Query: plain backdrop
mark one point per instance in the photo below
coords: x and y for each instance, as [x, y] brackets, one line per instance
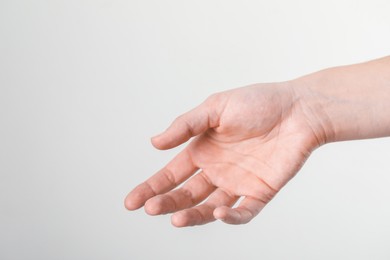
[84, 84]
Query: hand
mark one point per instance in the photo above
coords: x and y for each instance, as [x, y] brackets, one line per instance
[249, 142]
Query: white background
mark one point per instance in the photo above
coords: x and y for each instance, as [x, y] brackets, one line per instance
[85, 84]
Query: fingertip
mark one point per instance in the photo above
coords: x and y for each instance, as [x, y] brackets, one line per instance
[157, 142]
[179, 219]
[227, 215]
[153, 206]
[131, 203]
[128, 204]
[163, 141]
[220, 213]
[137, 197]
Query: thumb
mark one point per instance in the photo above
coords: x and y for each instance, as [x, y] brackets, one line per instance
[192, 123]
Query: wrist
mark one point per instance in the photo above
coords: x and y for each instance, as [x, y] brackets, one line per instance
[313, 106]
[349, 102]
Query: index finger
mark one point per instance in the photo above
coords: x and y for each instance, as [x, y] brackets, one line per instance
[173, 174]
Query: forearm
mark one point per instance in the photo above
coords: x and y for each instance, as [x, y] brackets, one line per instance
[348, 102]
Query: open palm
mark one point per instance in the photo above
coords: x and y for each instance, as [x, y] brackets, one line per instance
[249, 142]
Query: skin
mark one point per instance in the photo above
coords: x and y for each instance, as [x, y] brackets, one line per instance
[249, 142]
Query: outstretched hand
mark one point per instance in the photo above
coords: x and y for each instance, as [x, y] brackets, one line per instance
[249, 142]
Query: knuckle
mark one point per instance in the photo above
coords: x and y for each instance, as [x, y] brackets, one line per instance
[212, 99]
[170, 176]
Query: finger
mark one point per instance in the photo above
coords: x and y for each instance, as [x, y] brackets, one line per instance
[241, 182]
[192, 193]
[184, 127]
[173, 174]
[203, 213]
[245, 212]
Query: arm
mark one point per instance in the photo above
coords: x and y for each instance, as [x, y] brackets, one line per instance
[249, 142]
